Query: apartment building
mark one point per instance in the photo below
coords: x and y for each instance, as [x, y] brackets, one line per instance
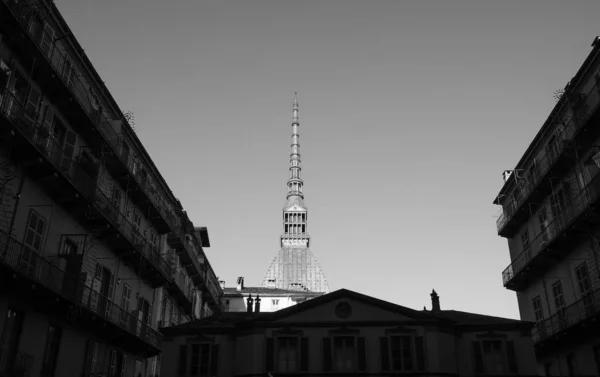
[345, 333]
[94, 247]
[551, 221]
[261, 299]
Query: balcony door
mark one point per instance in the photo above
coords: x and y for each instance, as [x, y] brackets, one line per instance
[53, 338]
[558, 205]
[103, 286]
[144, 315]
[34, 236]
[9, 340]
[72, 253]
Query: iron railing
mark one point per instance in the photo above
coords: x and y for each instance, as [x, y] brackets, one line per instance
[575, 206]
[584, 106]
[26, 123]
[586, 307]
[88, 101]
[213, 286]
[179, 279]
[30, 263]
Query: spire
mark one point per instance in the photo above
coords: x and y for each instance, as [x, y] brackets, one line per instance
[295, 183]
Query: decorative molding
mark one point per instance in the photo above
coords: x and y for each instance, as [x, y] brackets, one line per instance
[343, 310]
[400, 330]
[343, 330]
[200, 339]
[491, 335]
[287, 331]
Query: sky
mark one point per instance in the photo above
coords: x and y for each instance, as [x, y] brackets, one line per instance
[409, 113]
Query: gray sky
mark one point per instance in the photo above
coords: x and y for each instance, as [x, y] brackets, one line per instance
[409, 113]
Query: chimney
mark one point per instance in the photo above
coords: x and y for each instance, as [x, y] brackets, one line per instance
[257, 304]
[222, 284]
[435, 302]
[240, 283]
[249, 307]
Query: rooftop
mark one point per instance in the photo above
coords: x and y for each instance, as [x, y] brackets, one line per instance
[233, 291]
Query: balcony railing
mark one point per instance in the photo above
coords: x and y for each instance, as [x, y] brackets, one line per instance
[49, 148]
[179, 280]
[587, 307]
[584, 108]
[575, 206]
[530, 182]
[30, 263]
[22, 12]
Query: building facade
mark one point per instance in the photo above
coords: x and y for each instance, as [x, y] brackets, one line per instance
[86, 219]
[295, 267]
[345, 333]
[551, 219]
[260, 299]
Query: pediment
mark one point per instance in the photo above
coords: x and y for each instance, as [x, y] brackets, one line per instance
[347, 309]
[295, 208]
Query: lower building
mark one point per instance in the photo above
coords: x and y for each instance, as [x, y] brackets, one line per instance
[261, 299]
[350, 333]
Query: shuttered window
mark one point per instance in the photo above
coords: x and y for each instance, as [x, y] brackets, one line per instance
[495, 356]
[344, 354]
[203, 361]
[287, 354]
[402, 353]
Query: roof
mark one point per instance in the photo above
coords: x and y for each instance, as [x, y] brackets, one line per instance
[236, 320]
[465, 318]
[267, 292]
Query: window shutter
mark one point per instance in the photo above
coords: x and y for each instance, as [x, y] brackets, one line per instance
[478, 357]
[420, 353]
[512, 357]
[327, 354]
[111, 287]
[385, 352]
[182, 360]
[362, 354]
[88, 357]
[304, 354]
[270, 355]
[214, 360]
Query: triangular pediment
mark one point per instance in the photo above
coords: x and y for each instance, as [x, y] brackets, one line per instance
[295, 208]
[347, 306]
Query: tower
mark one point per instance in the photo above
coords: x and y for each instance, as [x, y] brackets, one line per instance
[295, 266]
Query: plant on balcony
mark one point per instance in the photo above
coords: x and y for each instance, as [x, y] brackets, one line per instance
[558, 94]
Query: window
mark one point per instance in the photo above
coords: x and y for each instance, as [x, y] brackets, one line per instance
[226, 305]
[34, 235]
[137, 222]
[495, 356]
[543, 220]
[9, 340]
[69, 72]
[125, 301]
[51, 351]
[583, 279]
[537, 308]
[525, 241]
[275, 304]
[344, 354]
[204, 359]
[557, 293]
[112, 366]
[116, 198]
[287, 354]
[47, 41]
[402, 353]
[153, 239]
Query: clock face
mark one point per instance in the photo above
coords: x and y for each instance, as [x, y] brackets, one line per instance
[343, 310]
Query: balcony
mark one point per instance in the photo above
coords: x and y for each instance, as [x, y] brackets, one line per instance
[181, 291]
[573, 322]
[188, 257]
[581, 132]
[75, 190]
[213, 291]
[79, 104]
[557, 240]
[535, 186]
[50, 289]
